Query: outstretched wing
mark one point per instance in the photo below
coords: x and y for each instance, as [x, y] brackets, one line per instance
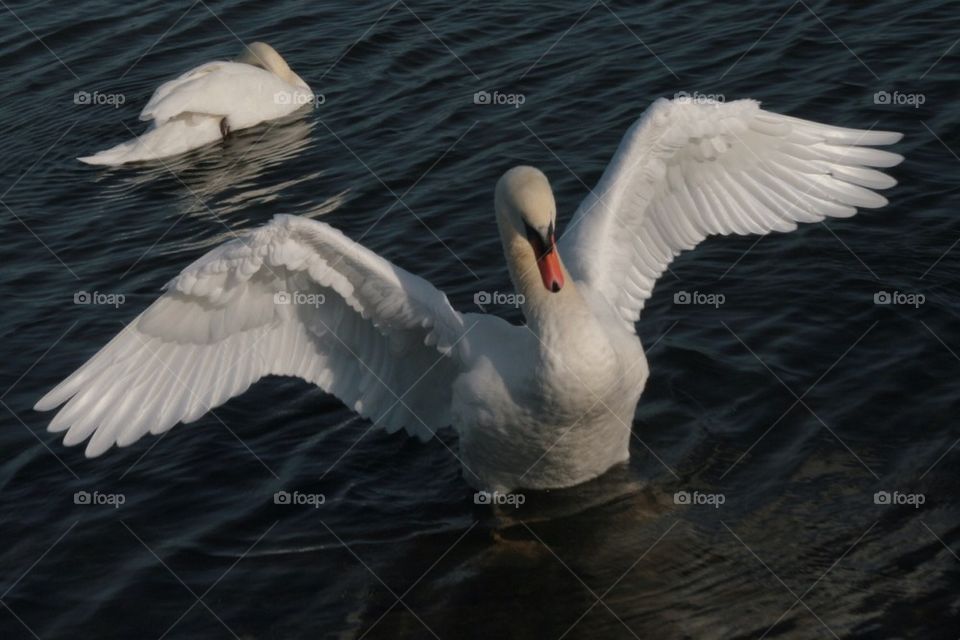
[242, 92]
[687, 170]
[296, 297]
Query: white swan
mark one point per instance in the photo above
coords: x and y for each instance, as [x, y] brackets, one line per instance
[548, 404]
[204, 104]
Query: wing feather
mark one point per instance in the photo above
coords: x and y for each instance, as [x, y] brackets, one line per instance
[295, 298]
[243, 93]
[688, 170]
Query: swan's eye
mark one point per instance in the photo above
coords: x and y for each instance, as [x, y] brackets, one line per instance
[531, 232]
[540, 246]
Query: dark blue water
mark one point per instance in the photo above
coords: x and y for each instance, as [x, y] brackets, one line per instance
[198, 549]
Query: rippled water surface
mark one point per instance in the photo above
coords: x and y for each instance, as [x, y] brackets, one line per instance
[796, 400]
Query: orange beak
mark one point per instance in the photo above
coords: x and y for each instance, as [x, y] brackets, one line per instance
[548, 260]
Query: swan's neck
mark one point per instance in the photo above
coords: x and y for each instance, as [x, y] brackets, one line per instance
[548, 314]
[271, 61]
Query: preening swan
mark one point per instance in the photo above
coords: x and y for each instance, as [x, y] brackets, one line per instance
[544, 405]
[204, 104]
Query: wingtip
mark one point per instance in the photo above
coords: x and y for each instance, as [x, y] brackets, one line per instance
[98, 160]
[46, 403]
[95, 450]
[880, 202]
[880, 138]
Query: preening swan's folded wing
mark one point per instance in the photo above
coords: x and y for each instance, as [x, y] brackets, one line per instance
[687, 170]
[223, 89]
[295, 297]
[187, 79]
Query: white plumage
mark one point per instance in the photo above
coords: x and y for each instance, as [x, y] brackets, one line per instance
[198, 107]
[548, 404]
[688, 170]
[296, 297]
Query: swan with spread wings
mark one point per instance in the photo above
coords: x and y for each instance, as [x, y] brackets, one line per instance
[546, 404]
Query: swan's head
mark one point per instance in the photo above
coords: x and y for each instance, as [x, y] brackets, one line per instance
[260, 54]
[524, 203]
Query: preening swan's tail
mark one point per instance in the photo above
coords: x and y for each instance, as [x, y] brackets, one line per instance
[173, 137]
